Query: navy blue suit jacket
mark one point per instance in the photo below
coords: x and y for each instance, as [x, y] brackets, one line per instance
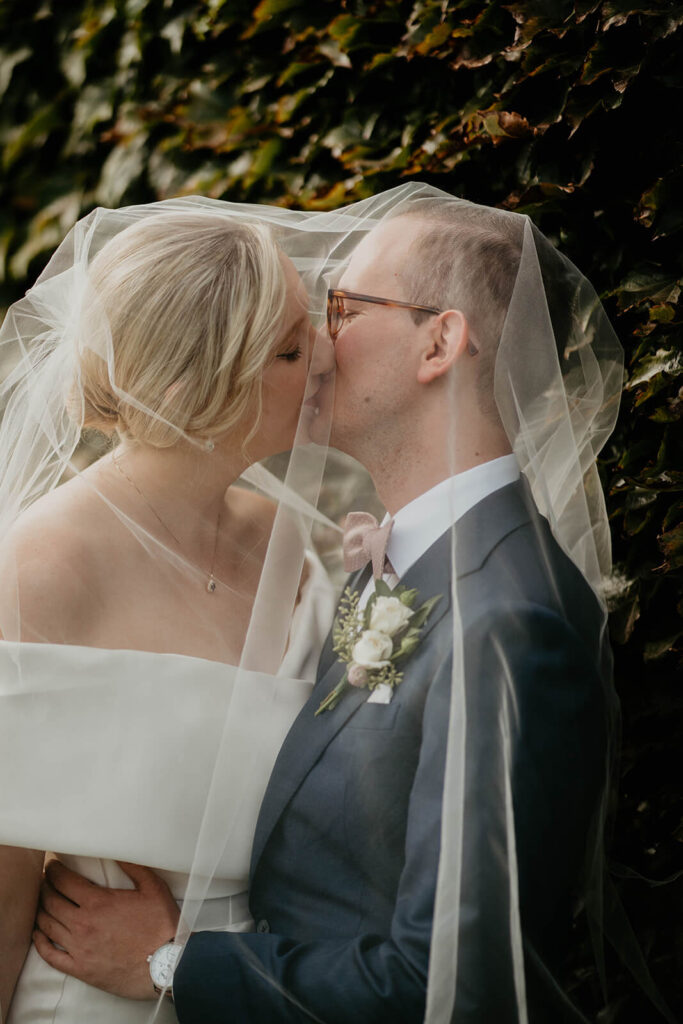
[346, 851]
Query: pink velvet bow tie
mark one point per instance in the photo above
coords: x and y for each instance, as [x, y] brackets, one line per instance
[366, 541]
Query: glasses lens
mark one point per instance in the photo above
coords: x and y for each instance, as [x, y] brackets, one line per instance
[334, 315]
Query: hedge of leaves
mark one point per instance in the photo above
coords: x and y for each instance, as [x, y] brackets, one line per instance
[568, 111]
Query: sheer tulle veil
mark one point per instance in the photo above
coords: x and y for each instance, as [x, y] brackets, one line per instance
[555, 381]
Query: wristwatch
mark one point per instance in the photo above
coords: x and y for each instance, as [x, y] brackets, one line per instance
[162, 963]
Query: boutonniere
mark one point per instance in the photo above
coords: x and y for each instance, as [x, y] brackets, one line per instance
[372, 642]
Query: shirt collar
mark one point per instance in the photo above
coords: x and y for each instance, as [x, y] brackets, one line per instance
[422, 521]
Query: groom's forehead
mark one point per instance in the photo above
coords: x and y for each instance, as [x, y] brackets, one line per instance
[381, 257]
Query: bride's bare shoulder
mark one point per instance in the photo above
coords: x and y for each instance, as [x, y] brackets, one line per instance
[48, 562]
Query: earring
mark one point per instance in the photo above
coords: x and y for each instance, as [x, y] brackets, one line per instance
[209, 445]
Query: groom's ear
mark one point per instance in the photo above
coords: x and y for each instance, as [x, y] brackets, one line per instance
[447, 341]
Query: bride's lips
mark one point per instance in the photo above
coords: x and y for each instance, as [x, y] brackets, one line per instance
[313, 400]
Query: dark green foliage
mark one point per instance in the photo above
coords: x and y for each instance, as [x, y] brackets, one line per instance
[568, 111]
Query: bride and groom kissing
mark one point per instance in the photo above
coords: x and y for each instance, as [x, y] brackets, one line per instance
[420, 846]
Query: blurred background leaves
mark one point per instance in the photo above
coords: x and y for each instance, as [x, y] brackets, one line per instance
[567, 110]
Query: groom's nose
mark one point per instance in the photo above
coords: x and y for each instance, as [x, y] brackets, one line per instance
[322, 359]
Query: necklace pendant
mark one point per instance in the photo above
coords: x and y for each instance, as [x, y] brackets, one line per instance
[211, 585]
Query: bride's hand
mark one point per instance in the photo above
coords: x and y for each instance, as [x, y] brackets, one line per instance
[103, 936]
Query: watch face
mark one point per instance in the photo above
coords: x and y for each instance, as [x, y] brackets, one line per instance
[163, 964]
[164, 974]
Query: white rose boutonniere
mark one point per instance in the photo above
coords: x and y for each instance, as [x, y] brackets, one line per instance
[373, 649]
[389, 615]
[371, 642]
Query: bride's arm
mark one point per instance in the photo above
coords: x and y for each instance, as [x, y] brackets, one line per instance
[21, 869]
[20, 874]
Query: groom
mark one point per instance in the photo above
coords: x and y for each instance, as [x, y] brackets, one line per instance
[346, 853]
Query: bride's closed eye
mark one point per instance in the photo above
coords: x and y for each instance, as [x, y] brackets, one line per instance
[292, 356]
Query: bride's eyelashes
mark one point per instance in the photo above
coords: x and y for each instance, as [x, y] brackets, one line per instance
[292, 356]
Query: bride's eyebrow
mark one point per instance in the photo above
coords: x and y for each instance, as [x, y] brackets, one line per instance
[294, 328]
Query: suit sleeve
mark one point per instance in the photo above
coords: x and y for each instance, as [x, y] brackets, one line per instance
[533, 717]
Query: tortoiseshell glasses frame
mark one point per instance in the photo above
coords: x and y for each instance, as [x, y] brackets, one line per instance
[335, 310]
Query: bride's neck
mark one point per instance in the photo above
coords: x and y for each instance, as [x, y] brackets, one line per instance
[188, 481]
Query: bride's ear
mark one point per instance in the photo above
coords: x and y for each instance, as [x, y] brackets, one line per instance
[448, 340]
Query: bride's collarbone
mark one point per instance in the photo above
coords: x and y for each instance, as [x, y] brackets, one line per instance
[90, 588]
[80, 575]
[233, 553]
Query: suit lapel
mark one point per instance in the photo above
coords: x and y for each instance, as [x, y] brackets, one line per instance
[492, 519]
[478, 533]
[303, 746]
[309, 736]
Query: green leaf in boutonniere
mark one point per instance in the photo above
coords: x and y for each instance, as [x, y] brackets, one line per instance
[372, 640]
[409, 642]
[422, 613]
[382, 589]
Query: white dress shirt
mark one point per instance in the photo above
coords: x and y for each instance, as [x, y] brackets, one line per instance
[422, 521]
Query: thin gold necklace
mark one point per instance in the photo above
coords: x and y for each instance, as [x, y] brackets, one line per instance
[211, 581]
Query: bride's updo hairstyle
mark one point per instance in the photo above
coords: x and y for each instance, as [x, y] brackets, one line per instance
[179, 325]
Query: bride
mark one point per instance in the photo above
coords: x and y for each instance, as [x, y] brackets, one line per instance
[128, 592]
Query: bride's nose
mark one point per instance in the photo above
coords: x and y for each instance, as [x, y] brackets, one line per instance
[322, 359]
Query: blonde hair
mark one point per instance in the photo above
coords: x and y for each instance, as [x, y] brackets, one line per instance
[192, 304]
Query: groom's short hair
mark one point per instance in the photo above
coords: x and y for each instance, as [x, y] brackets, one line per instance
[466, 258]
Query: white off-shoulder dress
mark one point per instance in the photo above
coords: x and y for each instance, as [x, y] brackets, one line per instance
[112, 755]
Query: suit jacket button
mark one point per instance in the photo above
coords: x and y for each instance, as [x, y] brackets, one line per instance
[262, 926]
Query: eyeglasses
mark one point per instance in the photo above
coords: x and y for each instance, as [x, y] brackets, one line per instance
[336, 312]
